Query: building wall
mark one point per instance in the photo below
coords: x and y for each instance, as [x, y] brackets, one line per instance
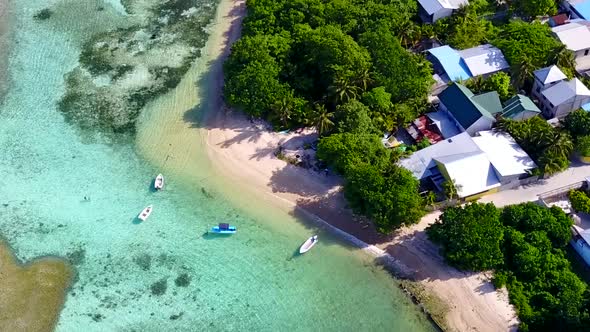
[444, 12]
[582, 248]
[583, 60]
[481, 124]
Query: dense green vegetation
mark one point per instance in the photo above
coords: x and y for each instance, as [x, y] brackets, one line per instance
[524, 245]
[499, 82]
[549, 147]
[580, 201]
[297, 56]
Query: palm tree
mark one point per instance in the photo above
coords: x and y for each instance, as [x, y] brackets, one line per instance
[523, 72]
[476, 84]
[561, 145]
[409, 35]
[451, 189]
[565, 59]
[343, 89]
[363, 79]
[430, 198]
[323, 119]
[282, 110]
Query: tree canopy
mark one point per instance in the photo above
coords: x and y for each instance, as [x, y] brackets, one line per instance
[523, 244]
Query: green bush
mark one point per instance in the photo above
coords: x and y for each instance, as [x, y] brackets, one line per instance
[580, 201]
[583, 146]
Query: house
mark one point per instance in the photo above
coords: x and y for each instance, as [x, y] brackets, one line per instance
[454, 65]
[546, 77]
[424, 128]
[471, 113]
[564, 98]
[578, 8]
[581, 242]
[520, 107]
[432, 10]
[558, 96]
[476, 165]
[576, 37]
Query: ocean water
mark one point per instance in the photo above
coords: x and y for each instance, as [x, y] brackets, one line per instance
[164, 274]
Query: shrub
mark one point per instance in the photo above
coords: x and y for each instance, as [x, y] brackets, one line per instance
[583, 146]
[580, 201]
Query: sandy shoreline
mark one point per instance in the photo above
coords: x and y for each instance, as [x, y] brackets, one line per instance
[241, 153]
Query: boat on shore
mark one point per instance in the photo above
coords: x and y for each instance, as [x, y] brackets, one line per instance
[307, 245]
[159, 182]
[145, 213]
[224, 228]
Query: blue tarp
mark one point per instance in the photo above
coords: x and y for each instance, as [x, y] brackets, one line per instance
[583, 8]
[451, 62]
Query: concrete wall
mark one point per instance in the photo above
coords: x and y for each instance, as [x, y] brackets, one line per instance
[481, 124]
[444, 12]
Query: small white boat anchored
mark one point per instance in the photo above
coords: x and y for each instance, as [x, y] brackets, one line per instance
[308, 244]
[145, 213]
[159, 182]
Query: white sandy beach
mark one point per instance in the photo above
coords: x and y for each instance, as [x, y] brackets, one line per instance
[242, 153]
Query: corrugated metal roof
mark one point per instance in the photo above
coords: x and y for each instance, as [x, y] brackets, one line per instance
[582, 7]
[549, 74]
[472, 172]
[564, 91]
[504, 153]
[483, 59]
[575, 36]
[460, 102]
[451, 62]
[515, 106]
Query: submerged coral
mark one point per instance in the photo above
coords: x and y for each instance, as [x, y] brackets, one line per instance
[123, 69]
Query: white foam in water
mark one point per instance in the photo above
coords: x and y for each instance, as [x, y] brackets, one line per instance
[64, 195]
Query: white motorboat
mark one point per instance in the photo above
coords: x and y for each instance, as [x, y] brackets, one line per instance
[145, 213]
[159, 182]
[308, 244]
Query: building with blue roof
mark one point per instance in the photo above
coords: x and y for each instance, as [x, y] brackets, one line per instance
[452, 65]
[578, 8]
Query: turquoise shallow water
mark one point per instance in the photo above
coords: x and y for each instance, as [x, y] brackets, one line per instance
[161, 275]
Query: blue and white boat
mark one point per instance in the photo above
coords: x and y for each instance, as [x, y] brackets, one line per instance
[223, 229]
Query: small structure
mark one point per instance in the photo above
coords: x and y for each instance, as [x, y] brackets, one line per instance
[476, 165]
[520, 107]
[472, 113]
[576, 37]
[424, 128]
[558, 20]
[453, 65]
[432, 10]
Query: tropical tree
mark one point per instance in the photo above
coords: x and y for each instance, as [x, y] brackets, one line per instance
[343, 90]
[451, 189]
[565, 59]
[323, 119]
[282, 109]
[362, 79]
[523, 71]
[561, 145]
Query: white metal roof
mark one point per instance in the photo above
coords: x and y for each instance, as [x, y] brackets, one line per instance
[421, 161]
[550, 74]
[507, 157]
[433, 6]
[564, 91]
[471, 172]
[483, 59]
[575, 36]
